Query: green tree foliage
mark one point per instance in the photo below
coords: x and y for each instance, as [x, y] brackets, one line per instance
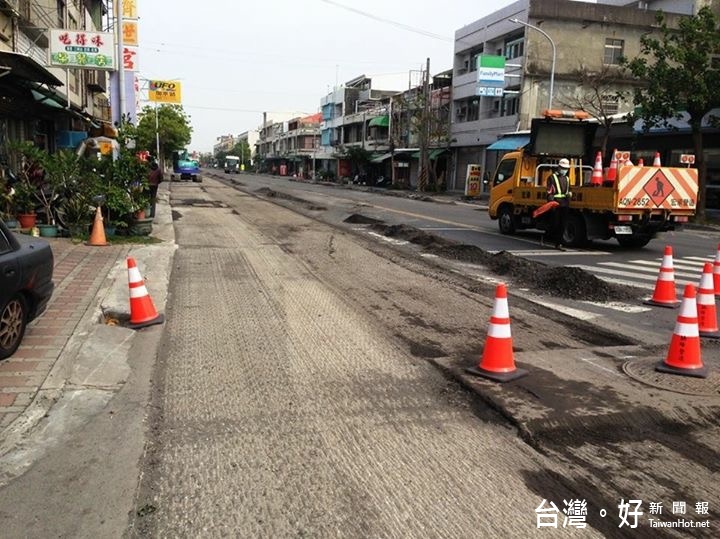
[677, 67]
[242, 150]
[358, 156]
[173, 126]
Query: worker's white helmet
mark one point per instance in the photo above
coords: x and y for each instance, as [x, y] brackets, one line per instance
[564, 163]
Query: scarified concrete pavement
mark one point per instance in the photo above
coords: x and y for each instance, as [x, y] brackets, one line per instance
[300, 395]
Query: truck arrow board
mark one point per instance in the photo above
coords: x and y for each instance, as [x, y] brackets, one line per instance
[666, 188]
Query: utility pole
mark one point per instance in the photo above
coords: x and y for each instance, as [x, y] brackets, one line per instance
[121, 61]
[424, 128]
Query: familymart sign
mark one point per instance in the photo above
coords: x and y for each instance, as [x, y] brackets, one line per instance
[491, 75]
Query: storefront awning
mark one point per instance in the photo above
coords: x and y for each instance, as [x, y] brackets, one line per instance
[380, 158]
[24, 67]
[510, 143]
[46, 100]
[432, 155]
[380, 121]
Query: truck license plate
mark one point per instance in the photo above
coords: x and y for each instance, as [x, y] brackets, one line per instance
[622, 230]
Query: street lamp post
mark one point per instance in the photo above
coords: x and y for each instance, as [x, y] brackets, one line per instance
[552, 66]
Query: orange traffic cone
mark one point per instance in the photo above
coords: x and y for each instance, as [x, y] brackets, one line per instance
[142, 310]
[612, 171]
[707, 313]
[656, 161]
[97, 235]
[497, 362]
[684, 354]
[597, 173]
[716, 272]
[664, 294]
[641, 162]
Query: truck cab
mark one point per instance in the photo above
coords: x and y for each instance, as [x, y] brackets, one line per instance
[232, 164]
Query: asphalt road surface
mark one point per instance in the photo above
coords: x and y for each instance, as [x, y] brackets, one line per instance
[297, 395]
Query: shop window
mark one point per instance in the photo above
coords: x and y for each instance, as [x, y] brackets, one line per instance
[515, 49]
[610, 104]
[510, 106]
[613, 51]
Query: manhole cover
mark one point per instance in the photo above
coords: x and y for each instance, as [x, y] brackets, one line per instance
[643, 370]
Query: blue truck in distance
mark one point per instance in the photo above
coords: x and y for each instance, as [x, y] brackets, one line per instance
[185, 167]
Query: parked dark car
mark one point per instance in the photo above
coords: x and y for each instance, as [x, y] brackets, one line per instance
[26, 270]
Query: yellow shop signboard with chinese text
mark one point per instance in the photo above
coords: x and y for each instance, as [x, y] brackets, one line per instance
[164, 91]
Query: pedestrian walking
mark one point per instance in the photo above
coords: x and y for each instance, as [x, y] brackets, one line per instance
[154, 180]
[558, 189]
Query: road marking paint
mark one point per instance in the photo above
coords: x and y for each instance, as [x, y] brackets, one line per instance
[653, 270]
[618, 306]
[590, 362]
[618, 273]
[550, 252]
[389, 240]
[575, 313]
[430, 228]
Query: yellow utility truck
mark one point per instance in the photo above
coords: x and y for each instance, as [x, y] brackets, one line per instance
[633, 207]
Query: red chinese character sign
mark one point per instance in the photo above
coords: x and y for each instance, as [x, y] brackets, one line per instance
[81, 49]
[130, 59]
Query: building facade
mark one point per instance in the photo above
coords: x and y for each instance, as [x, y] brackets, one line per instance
[588, 39]
[54, 108]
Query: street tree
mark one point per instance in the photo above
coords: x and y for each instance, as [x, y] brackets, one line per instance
[599, 95]
[242, 150]
[682, 80]
[358, 156]
[174, 129]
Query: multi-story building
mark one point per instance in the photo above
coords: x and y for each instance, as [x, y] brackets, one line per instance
[224, 144]
[589, 40]
[53, 107]
[354, 115]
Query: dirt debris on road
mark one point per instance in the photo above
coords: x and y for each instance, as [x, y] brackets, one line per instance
[565, 282]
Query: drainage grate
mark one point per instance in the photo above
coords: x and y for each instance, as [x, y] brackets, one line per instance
[643, 370]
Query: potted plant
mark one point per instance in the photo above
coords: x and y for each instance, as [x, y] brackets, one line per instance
[63, 171]
[23, 202]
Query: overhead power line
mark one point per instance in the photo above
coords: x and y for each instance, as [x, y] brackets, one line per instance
[388, 21]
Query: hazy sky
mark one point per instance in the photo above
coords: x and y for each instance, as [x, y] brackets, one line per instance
[238, 58]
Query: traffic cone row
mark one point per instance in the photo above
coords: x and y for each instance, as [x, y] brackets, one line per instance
[142, 310]
[697, 318]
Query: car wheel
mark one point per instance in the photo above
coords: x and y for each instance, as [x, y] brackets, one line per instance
[13, 319]
[506, 220]
[574, 231]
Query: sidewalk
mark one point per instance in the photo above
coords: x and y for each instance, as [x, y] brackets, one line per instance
[70, 335]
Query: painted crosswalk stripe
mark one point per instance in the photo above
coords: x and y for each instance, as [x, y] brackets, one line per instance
[651, 269]
[611, 275]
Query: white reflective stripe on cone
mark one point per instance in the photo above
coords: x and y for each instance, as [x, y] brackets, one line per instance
[706, 299]
[666, 276]
[501, 309]
[499, 331]
[139, 292]
[686, 330]
[688, 308]
[134, 275]
[667, 261]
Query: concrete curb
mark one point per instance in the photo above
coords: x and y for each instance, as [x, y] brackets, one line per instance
[94, 364]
